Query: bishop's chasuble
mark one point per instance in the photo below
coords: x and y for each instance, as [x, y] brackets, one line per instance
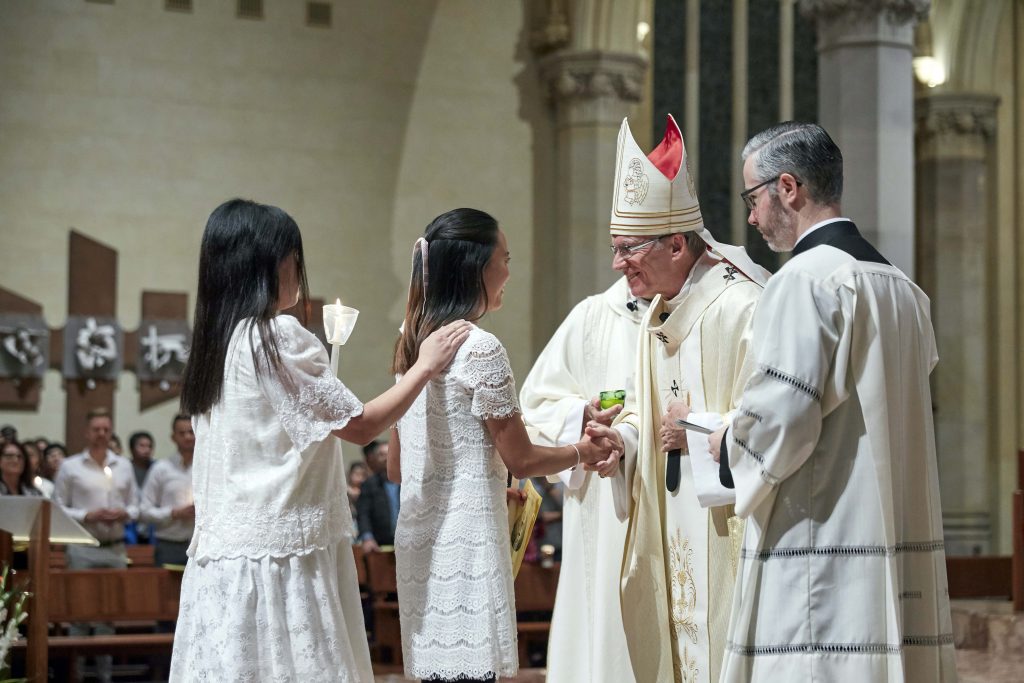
[679, 568]
[593, 350]
[843, 573]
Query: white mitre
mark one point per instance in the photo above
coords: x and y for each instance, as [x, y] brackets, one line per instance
[654, 195]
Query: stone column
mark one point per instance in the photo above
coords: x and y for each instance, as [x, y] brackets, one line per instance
[956, 215]
[865, 95]
[591, 91]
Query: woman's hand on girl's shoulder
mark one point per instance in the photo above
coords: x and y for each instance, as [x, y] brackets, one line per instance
[437, 350]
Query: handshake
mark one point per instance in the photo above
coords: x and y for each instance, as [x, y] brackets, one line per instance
[601, 447]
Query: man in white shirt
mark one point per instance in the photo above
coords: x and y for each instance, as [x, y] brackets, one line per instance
[167, 496]
[97, 489]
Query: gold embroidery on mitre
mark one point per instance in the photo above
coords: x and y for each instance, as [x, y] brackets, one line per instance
[683, 588]
[636, 183]
[686, 668]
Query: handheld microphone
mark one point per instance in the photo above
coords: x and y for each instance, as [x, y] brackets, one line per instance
[672, 469]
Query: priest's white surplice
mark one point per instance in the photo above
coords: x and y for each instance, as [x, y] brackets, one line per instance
[592, 351]
[842, 574]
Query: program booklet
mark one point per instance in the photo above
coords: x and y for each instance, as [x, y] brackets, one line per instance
[521, 518]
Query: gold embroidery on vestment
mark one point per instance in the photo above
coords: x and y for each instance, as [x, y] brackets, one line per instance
[686, 668]
[683, 588]
[736, 529]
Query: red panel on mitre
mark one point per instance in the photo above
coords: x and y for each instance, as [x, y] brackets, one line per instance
[668, 155]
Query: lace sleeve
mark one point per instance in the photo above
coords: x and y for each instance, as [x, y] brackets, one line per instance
[488, 374]
[309, 400]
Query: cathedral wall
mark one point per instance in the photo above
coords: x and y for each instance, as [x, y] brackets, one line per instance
[130, 123]
[1007, 303]
[468, 143]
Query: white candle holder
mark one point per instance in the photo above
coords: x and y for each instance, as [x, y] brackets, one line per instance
[339, 321]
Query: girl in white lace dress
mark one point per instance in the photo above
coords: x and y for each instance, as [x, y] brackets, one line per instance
[452, 452]
[270, 592]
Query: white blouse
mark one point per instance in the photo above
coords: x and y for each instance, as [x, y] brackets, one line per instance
[267, 475]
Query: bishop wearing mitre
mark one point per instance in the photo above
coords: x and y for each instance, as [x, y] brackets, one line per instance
[692, 364]
[673, 269]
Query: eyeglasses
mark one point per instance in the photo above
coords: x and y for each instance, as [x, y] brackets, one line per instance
[751, 201]
[625, 252]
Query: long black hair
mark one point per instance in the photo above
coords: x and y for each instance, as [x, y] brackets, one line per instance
[243, 246]
[460, 243]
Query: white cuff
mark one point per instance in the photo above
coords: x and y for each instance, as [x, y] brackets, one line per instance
[710, 492]
[630, 440]
[573, 479]
[622, 482]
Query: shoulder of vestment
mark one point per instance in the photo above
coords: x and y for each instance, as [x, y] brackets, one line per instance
[722, 284]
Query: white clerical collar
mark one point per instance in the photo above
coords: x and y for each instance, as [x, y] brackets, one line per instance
[816, 226]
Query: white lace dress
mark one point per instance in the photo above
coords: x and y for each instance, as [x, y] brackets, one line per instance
[270, 591]
[455, 589]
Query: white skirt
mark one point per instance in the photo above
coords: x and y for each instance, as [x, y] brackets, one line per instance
[295, 618]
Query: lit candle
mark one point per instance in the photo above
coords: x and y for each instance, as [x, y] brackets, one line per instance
[110, 483]
[339, 321]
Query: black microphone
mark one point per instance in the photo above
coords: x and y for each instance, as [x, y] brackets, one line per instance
[632, 305]
[672, 469]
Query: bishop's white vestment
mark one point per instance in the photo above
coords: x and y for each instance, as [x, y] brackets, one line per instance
[680, 562]
[592, 351]
[842, 574]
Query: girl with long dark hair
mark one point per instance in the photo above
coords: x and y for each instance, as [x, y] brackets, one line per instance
[270, 590]
[452, 452]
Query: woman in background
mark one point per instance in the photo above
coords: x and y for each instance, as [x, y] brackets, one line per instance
[357, 474]
[34, 460]
[53, 456]
[15, 473]
[270, 592]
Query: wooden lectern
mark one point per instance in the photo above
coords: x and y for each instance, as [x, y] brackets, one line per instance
[38, 522]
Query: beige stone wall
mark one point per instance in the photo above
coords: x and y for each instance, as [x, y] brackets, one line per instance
[131, 123]
[1007, 303]
[980, 46]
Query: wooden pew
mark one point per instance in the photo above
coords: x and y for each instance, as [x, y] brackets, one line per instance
[535, 599]
[382, 581]
[144, 594]
[979, 576]
[138, 556]
[136, 594]
[141, 555]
